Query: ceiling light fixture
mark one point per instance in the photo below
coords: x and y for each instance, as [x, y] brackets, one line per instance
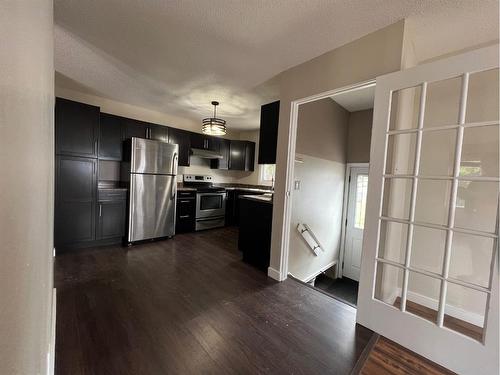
[214, 125]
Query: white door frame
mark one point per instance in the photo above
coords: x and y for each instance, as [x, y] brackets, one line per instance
[292, 139]
[348, 168]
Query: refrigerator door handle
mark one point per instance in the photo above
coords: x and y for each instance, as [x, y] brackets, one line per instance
[173, 190]
[175, 160]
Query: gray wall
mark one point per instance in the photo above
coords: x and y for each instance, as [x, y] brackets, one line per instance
[359, 136]
[26, 187]
[346, 65]
[322, 147]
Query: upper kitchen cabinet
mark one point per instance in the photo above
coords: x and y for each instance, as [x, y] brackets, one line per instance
[135, 128]
[183, 139]
[224, 146]
[242, 155]
[158, 132]
[249, 156]
[111, 136]
[77, 128]
[268, 137]
[204, 142]
[142, 129]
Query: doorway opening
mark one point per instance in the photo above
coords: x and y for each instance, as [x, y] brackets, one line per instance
[330, 183]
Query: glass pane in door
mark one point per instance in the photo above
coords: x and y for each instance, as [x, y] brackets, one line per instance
[483, 98]
[443, 102]
[360, 204]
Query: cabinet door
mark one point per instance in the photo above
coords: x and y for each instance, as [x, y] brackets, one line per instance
[268, 136]
[181, 138]
[110, 137]
[158, 132]
[136, 128]
[237, 150]
[249, 156]
[186, 212]
[199, 141]
[76, 186]
[111, 219]
[213, 143]
[224, 145]
[77, 127]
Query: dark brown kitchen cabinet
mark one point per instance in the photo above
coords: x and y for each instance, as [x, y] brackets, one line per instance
[183, 139]
[111, 137]
[185, 212]
[158, 132]
[268, 136]
[241, 155]
[249, 156]
[111, 219]
[77, 128]
[237, 151]
[135, 128]
[224, 146]
[204, 142]
[75, 200]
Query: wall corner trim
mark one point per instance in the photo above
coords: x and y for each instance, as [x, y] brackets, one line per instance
[274, 274]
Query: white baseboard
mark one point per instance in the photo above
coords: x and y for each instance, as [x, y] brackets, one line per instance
[274, 274]
[322, 269]
[431, 303]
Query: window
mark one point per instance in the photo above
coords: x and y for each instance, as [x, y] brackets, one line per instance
[267, 172]
[361, 192]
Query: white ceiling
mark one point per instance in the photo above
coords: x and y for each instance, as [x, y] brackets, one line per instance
[356, 100]
[177, 56]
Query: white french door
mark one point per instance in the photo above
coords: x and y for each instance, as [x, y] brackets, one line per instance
[355, 221]
[429, 273]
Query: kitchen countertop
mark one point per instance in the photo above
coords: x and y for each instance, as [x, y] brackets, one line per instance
[230, 187]
[266, 198]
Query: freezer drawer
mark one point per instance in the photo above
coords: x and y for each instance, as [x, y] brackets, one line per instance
[152, 206]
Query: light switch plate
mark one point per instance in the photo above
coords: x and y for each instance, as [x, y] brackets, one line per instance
[296, 185]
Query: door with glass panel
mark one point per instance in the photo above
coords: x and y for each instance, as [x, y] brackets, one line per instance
[355, 222]
[429, 274]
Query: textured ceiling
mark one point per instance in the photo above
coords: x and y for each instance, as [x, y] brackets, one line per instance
[356, 100]
[177, 56]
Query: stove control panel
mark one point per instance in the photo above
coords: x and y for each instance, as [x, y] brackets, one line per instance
[196, 178]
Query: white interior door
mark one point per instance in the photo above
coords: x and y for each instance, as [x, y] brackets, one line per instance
[429, 273]
[355, 221]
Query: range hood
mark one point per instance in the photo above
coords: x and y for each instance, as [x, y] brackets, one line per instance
[205, 154]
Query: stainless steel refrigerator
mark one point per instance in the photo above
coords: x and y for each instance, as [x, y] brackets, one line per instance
[150, 168]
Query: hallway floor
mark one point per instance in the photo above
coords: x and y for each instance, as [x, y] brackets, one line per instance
[344, 289]
[190, 306]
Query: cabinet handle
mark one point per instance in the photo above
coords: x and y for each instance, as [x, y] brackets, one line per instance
[95, 146]
[183, 216]
[100, 210]
[185, 201]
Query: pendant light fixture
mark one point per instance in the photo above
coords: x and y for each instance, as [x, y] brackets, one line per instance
[214, 125]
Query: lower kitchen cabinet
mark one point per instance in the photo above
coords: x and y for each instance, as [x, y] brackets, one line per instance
[111, 220]
[75, 201]
[185, 220]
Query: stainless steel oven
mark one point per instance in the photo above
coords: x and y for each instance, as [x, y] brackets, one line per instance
[210, 210]
[210, 202]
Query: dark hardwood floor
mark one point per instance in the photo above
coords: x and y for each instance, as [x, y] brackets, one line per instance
[190, 306]
[389, 358]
